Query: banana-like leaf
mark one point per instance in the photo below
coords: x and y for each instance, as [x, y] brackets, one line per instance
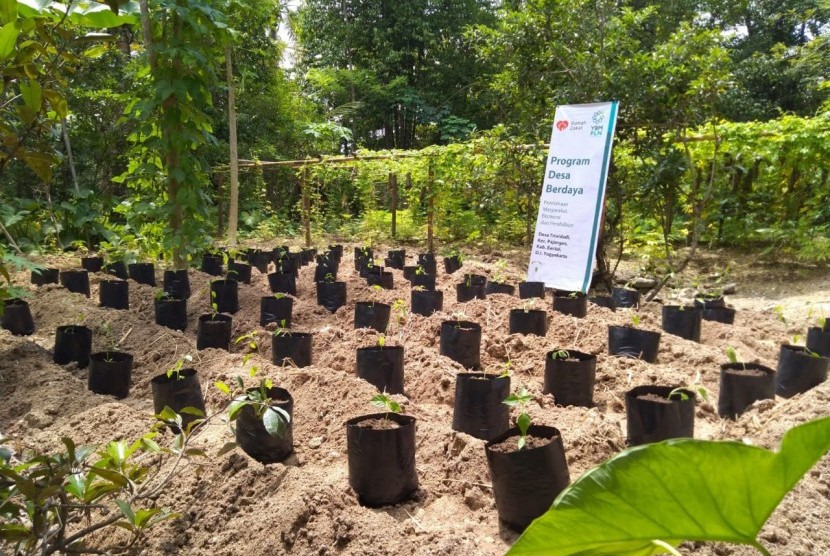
[653, 497]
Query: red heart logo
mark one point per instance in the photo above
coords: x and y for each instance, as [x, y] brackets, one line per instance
[562, 125]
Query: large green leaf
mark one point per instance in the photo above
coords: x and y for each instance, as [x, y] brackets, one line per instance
[87, 13]
[8, 37]
[673, 491]
[8, 11]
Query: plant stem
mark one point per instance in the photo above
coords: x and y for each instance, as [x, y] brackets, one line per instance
[666, 546]
[760, 548]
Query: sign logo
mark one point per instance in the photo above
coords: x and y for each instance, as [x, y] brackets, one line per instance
[597, 118]
[562, 125]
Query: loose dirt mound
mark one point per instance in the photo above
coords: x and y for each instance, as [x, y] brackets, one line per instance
[235, 505]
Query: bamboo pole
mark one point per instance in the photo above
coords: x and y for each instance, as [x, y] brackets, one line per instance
[431, 207]
[220, 224]
[393, 187]
[233, 205]
[306, 206]
[246, 164]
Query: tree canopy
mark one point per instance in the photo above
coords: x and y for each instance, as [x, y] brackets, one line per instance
[111, 126]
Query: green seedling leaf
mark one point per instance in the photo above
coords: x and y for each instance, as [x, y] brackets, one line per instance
[275, 419]
[235, 406]
[76, 485]
[150, 445]
[222, 387]
[144, 518]
[167, 414]
[631, 504]
[193, 411]
[110, 475]
[523, 422]
[125, 508]
[385, 402]
[732, 354]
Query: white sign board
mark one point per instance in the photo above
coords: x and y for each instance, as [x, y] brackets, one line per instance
[573, 193]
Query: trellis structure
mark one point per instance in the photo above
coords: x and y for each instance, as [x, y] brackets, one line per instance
[392, 183]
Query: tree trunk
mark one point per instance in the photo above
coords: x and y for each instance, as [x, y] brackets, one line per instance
[69, 156]
[233, 209]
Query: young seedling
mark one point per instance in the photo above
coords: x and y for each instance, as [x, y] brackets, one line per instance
[251, 339]
[274, 418]
[499, 273]
[732, 355]
[162, 295]
[329, 278]
[399, 306]
[282, 329]
[635, 320]
[561, 354]
[214, 307]
[506, 369]
[529, 304]
[520, 399]
[696, 387]
[419, 270]
[381, 341]
[386, 403]
[177, 368]
[779, 312]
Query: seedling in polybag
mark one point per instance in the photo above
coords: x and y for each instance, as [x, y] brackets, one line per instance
[696, 387]
[177, 368]
[520, 399]
[385, 402]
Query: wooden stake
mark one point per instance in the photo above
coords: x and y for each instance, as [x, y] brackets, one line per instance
[393, 187]
[431, 207]
[220, 179]
[306, 206]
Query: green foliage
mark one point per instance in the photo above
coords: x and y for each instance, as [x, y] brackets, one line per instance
[274, 418]
[36, 40]
[386, 403]
[174, 122]
[43, 494]
[8, 263]
[403, 68]
[176, 369]
[729, 490]
[520, 399]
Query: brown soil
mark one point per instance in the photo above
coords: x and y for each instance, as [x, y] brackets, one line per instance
[747, 372]
[654, 398]
[306, 506]
[379, 424]
[511, 443]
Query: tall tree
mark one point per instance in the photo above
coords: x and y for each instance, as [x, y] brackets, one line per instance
[180, 38]
[396, 70]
